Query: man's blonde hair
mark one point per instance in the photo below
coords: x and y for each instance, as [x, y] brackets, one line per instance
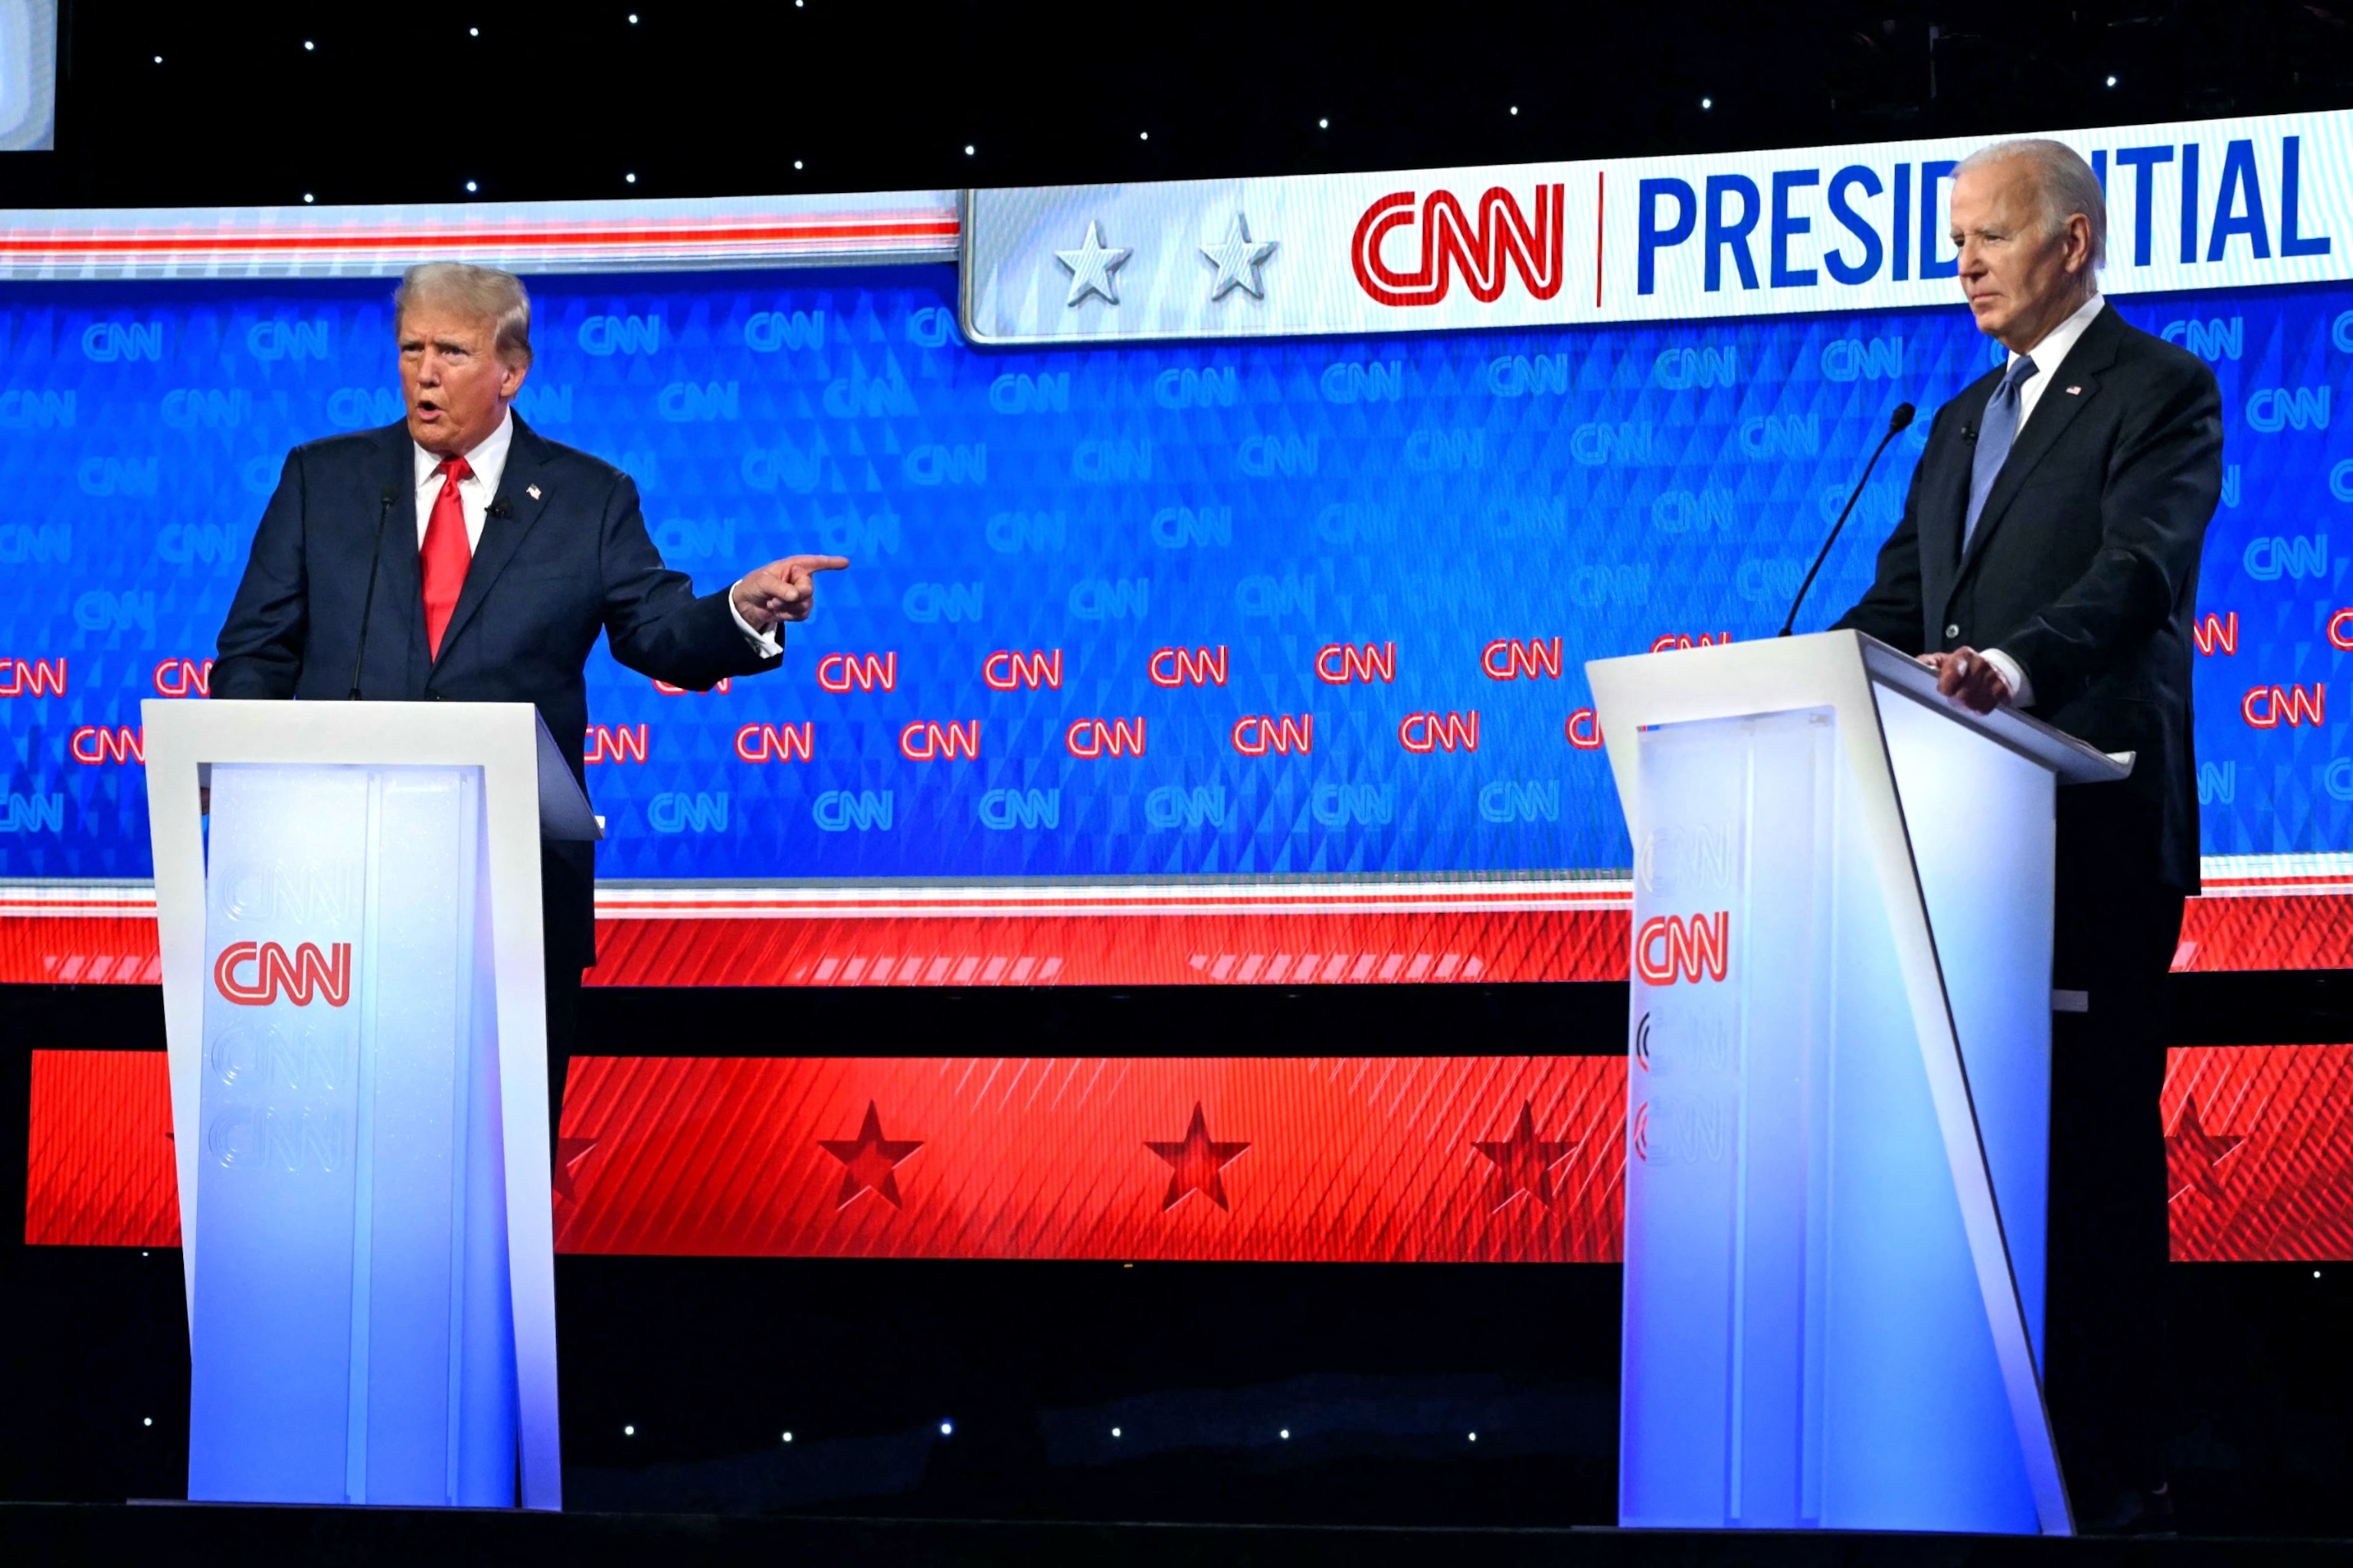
[484, 293]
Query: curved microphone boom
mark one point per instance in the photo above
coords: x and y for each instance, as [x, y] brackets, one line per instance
[1897, 422]
[367, 605]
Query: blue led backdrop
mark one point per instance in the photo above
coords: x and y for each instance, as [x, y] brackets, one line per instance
[1060, 554]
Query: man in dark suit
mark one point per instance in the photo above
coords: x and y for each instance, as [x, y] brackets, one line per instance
[461, 557]
[2056, 522]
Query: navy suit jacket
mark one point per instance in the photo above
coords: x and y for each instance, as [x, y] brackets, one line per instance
[564, 556]
[2083, 567]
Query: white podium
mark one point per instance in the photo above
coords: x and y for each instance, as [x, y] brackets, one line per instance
[1838, 1099]
[353, 1003]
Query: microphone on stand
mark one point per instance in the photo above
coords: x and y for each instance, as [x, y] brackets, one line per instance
[367, 605]
[1896, 423]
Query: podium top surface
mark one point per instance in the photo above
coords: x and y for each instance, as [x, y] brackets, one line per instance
[375, 734]
[2074, 761]
[1777, 673]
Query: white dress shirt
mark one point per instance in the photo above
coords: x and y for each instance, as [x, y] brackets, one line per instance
[488, 462]
[2049, 355]
[475, 494]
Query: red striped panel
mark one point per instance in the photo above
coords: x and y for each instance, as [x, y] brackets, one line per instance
[80, 950]
[1051, 1159]
[1350, 1159]
[1335, 946]
[2260, 1148]
[2276, 931]
[97, 1168]
[842, 233]
[2293, 931]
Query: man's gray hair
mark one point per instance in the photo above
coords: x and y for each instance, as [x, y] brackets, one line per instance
[2064, 185]
[483, 293]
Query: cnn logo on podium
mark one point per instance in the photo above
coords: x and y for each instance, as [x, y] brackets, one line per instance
[255, 974]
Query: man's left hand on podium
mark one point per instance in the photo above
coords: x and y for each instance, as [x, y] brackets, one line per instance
[1969, 678]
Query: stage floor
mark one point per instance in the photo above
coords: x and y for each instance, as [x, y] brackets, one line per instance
[190, 1533]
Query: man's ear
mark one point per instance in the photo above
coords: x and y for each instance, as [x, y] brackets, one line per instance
[511, 379]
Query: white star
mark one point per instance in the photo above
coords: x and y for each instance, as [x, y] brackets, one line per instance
[1091, 266]
[1238, 259]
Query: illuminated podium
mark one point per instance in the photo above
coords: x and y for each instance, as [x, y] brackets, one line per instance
[354, 999]
[1838, 1134]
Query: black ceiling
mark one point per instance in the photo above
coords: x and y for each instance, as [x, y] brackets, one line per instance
[265, 104]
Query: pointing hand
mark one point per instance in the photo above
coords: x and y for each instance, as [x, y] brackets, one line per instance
[782, 590]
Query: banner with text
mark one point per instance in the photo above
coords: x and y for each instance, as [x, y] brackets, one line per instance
[2220, 204]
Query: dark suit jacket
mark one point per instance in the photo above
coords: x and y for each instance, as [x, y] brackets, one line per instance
[564, 556]
[2084, 566]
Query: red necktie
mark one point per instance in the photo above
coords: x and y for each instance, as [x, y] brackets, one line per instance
[444, 554]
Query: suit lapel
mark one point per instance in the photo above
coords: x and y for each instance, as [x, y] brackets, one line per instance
[1945, 501]
[516, 508]
[400, 591]
[2054, 411]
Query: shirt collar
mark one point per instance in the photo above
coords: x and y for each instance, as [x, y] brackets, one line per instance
[487, 460]
[2056, 344]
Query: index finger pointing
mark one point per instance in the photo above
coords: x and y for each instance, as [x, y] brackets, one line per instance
[815, 563]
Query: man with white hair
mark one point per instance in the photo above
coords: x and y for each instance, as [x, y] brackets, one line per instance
[459, 556]
[2048, 558]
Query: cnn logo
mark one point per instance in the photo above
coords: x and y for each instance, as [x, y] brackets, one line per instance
[255, 974]
[1674, 948]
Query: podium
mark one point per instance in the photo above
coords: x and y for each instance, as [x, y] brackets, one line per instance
[1838, 1134]
[354, 1008]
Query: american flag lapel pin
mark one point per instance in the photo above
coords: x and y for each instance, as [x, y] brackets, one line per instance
[2071, 392]
[533, 489]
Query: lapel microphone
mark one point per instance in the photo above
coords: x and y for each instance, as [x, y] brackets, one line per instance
[367, 605]
[1896, 422]
[501, 507]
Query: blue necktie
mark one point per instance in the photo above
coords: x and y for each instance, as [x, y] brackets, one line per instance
[1996, 435]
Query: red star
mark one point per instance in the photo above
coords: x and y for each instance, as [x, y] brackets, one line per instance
[1523, 1162]
[569, 1153]
[1197, 1162]
[2191, 1155]
[871, 1158]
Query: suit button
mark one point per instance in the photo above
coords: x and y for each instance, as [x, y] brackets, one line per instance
[1952, 631]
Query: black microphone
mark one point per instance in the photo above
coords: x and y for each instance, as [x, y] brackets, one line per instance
[1896, 423]
[501, 507]
[1969, 434]
[367, 605]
